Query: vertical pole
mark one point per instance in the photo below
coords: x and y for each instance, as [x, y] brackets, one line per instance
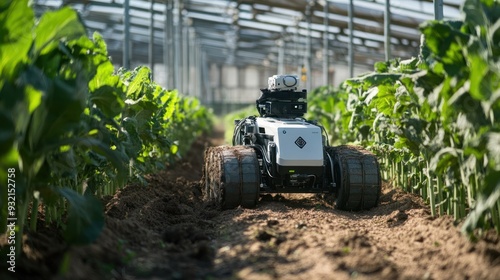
[191, 78]
[126, 34]
[207, 91]
[438, 9]
[325, 45]
[171, 37]
[387, 30]
[296, 39]
[308, 56]
[177, 45]
[239, 85]
[281, 57]
[185, 55]
[167, 44]
[199, 70]
[151, 40]
[221, 95]
[350, 12]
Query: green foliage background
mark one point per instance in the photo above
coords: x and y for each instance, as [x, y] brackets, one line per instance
[432, 120]
[73, 127]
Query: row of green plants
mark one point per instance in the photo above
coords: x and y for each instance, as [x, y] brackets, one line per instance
[432, 120]
[75, 129]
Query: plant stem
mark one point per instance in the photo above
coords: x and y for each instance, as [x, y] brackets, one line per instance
[432, 201]
[496, 219]
[22, 213]
[34, 214]
[440, 197]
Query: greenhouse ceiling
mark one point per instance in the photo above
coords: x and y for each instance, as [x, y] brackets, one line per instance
[257, 32]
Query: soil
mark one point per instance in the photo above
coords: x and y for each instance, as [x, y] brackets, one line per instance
[166, 231]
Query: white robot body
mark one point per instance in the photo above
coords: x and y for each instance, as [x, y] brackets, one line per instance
[298, 142]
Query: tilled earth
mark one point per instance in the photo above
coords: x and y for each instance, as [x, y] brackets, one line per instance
[166, 231]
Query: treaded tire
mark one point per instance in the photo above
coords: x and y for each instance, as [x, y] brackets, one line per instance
[231, 176]
[357, 176]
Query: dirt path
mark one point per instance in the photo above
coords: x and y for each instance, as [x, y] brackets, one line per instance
[302, 238]
[165, 231]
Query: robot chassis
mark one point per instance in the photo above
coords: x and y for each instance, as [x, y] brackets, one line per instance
[281, 152]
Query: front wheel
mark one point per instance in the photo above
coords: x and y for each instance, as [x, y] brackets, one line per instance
[231, 176]
[357, 178]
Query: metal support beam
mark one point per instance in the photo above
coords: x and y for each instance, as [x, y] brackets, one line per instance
[308, 56]
[126, 34]
[221, 94]
[438, 9]
[387, 30]
[167, 44]
[281, 57]
[207, 92]
[151, 39]
[199, 69]
[296, 39]
[177, 45]
[191, 78]
[350, 12]
[325, 45]
[185, 55]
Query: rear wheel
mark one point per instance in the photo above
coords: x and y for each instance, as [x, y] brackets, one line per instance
[357, 177]
[232, 176]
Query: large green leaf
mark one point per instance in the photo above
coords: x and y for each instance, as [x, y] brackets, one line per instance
[108, 99]
[486, 200]
[85, 219]
[16, 22]
[374, 79]
[443, 39]
[7, 133]
[479, 14]
[136, 87]
[59, 113]
[479, 88]
[54, 26]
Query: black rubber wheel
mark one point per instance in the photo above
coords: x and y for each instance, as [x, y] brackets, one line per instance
[357, 177]
[250, 177]
[232, 176]
[212, 177]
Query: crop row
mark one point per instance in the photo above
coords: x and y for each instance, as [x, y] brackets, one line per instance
[72, 127]
[432, 120]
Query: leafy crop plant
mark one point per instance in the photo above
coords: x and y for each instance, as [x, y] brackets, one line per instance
[72, 127]
[433, 119]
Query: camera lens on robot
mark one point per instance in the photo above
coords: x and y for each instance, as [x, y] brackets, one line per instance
[289, 81]
[283, 82]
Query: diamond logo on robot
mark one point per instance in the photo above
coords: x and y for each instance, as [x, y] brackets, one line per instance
[300, 142]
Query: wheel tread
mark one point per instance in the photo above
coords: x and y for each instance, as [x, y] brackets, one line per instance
[360, 182]
[232, 176]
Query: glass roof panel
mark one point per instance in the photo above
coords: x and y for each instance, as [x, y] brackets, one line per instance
[250, 28]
